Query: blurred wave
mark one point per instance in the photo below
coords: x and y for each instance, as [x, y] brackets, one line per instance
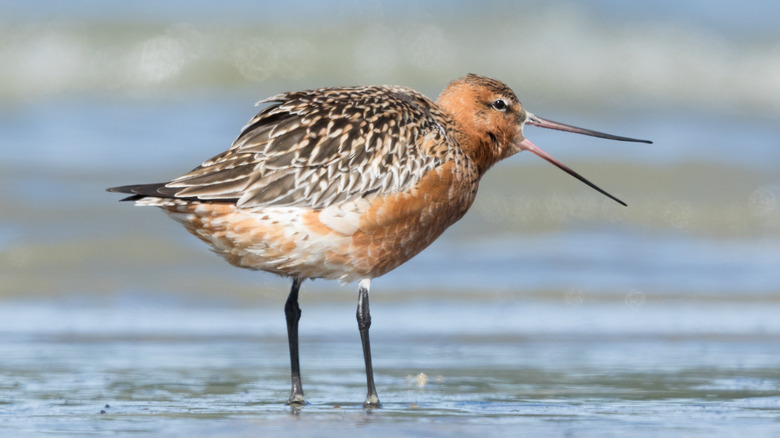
[96, 94]
[706, 56]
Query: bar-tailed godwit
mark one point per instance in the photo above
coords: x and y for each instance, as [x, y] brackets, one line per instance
[348, 184]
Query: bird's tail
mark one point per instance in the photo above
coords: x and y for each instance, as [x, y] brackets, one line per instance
[140, 191]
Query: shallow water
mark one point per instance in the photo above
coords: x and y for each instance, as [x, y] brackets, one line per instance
[548, 310]
[465, 368]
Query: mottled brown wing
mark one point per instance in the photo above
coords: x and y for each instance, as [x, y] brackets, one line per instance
[319, 147]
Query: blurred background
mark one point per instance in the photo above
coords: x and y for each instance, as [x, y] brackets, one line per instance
[96, 94]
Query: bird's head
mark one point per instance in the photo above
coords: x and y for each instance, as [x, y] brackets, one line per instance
[491, 119]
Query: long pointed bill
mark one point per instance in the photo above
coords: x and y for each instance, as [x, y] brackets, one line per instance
[543, 123]
[549, 124]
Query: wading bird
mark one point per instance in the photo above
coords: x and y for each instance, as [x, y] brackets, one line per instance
[349, 183]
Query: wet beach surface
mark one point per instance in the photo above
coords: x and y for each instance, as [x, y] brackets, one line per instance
[594, 369]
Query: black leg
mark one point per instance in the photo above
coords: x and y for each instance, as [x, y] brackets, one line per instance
[293, 314]
[364, 322]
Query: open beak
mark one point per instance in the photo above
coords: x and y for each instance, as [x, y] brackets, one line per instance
[529, 146]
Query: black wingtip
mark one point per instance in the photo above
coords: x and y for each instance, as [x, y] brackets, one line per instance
[139, 191]
[119, 189]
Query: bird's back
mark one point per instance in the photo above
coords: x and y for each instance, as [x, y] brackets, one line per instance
[319, 147]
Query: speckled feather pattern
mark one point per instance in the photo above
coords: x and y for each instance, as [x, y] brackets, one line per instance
[321, 147]
[342, 183]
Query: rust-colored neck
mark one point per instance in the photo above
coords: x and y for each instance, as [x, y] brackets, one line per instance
[485, 134]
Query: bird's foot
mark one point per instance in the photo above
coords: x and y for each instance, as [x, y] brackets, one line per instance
[372, 402]
[296, 399]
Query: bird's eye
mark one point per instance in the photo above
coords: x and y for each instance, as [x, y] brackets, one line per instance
[499, 104]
